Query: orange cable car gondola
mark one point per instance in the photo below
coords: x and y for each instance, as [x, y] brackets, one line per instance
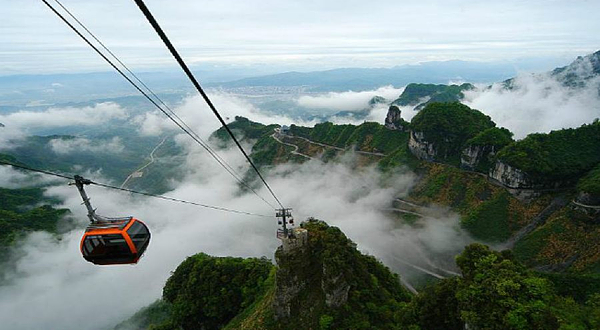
[111, 241]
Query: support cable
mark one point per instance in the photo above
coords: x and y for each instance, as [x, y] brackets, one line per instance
[172, 199]
[206, 145]
[196, 84]
[171, 116]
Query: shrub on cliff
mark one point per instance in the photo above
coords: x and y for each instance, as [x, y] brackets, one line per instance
[497, 137]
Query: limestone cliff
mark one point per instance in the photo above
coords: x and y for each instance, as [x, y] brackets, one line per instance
[323, 279]
[511, 177]
[474, 155]
[420, 147]
[394, 120]
[441, 131]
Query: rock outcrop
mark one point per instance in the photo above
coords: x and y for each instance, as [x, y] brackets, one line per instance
[474, 155]
[322, 276]
[510, 177]
[299, 275]
[377, 100]
[588, 199]
[420, 147]
[588, 204]
[394, 120]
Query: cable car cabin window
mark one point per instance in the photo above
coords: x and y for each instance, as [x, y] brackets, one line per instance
[109, 248]
[139, 235]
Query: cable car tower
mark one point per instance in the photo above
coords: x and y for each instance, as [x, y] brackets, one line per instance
[285, 218]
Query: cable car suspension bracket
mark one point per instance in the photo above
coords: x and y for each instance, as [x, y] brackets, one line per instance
[94, 218]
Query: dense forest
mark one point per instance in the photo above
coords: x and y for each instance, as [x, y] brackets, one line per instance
[560, 155]
[448, 126]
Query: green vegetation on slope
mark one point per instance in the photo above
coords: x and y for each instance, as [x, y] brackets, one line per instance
[26, 210]
[449, 126]
[561, 155]
[267, 151]
[413, 93]
[489, 220]
[487, 211]
[374, 296]
[497, 293]
[156, 313]
[207, 292]
[591, 182]
[243, 128]
[368, 136]
[567, 240]
[497, 137]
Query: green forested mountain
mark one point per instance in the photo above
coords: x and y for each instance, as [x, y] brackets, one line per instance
[325, 283]
[420, 95]
[561, 155]
[447, 127]
[23, 211]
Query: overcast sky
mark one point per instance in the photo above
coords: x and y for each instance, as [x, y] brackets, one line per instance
[311, 34]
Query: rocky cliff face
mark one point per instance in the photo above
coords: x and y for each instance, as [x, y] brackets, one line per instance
[394, 120]
[510, 177]
[420, 147]
[323, 279]
[519, 182]
[588, 204]
[473, 156]
[305, 283]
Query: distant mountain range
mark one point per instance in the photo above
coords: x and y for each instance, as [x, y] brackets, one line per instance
[580, 72]
[364, 78]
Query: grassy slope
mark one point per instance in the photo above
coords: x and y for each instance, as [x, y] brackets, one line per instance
[567, 233]
[488, 212]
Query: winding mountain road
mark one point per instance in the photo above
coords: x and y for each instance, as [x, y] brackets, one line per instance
[138, 173]
[295, 151]
[278, 131]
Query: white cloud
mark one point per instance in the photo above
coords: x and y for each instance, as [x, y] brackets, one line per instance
[538, 103]
[12, 179]
[197, 115]
[350, 100]
[100, 113]
[65, 146]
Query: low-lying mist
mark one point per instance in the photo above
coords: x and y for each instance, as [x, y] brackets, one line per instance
[537, 104]
[49, 285]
